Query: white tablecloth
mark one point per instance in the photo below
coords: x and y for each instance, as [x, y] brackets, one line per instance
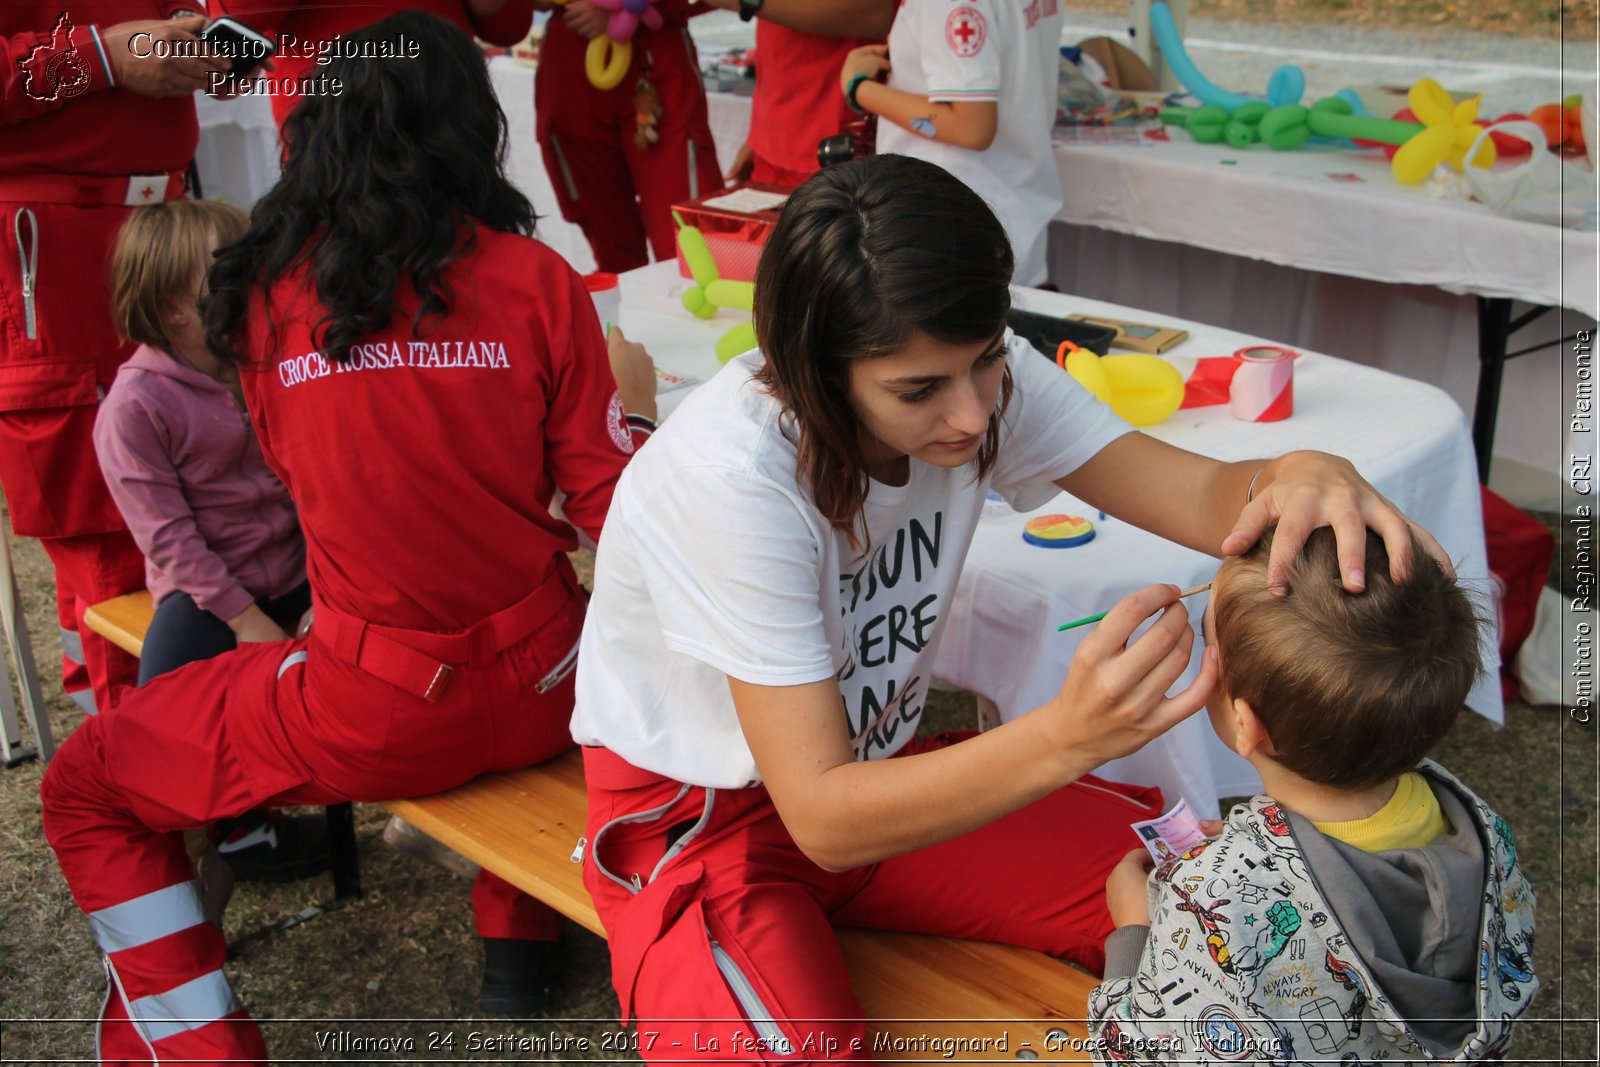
[1000, 640]
[1323, 208]
[1283, 207]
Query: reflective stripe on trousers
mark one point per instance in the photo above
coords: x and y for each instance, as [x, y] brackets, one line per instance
[186, 1007]
[146, 919]
[71, 644]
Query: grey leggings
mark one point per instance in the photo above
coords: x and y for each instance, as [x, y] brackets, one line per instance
[183, 632]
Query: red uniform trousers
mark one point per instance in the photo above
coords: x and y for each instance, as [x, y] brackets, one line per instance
[732, 933]
[91, 569]
[269, 725]
[619, 194]
[50, 389]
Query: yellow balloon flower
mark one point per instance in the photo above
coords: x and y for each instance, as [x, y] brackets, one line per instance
[1448, 131]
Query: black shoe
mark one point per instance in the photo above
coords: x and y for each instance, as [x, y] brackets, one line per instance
[517, 976]
[268, 846]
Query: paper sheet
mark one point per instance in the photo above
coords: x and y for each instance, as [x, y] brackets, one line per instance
[666, 381]
[746, 201]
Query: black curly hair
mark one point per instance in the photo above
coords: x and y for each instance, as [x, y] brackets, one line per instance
[383, 182]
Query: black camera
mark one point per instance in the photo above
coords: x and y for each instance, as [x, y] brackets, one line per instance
[857, 141]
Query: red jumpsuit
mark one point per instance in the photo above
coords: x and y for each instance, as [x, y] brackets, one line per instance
[304, 25]
[499, 908]
[77, 150]
[797, 102]
[619, 194]
[447, 616]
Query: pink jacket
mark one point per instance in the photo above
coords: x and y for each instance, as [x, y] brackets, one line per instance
[183, 464]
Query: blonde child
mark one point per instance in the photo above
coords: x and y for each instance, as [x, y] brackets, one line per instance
[224, 556]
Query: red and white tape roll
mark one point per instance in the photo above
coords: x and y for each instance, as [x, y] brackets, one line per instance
[1263, 384]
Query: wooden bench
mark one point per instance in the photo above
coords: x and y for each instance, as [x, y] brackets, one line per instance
[919, 991]
[923, 995]
[124, 621]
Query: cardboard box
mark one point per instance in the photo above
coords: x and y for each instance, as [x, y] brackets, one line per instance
[734, 235]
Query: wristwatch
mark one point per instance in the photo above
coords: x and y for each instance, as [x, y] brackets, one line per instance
[748, 9]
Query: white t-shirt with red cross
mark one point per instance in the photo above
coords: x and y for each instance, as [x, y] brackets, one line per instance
[1006, 52]
[715, 562]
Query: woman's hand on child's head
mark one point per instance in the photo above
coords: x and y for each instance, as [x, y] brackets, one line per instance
[1114, 698]
[1302, 491]
[1127, 896]
[635, 373]
[870, 59]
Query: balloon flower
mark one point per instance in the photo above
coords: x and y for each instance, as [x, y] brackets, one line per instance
[1444, 132]
[711, 292]
[1449, 130]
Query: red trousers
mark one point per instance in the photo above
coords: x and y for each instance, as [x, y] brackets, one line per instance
[50, 385]
[724, 947]
[621, 195]
[91, 569]
[761, 170]
[269, 725]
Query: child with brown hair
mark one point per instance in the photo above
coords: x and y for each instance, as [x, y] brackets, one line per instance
[1366, 905]
[224, 556]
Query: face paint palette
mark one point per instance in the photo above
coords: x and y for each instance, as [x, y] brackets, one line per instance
[1058, 531]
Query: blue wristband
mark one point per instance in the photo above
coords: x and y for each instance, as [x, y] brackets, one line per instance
[850, 92]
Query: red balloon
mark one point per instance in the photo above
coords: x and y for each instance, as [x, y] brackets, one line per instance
[1506, 145]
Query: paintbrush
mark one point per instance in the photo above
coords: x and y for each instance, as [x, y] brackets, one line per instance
[1087, 619]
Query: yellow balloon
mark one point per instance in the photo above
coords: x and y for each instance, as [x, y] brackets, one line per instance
[1417, 157]
[1142, 389]
[742, 338]
[1430, 103]
[731, 294]
[1450, 130]
[696, 253]
[1465, 135]
[1085, 366]
[607, 61]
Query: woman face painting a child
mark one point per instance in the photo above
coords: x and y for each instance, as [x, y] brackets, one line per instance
[768, 601]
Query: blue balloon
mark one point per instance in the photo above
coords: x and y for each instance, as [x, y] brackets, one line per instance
[1286, 86]
[1353, 98]
[1177, 57]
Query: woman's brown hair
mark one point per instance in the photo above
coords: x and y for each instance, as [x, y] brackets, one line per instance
[866, 255]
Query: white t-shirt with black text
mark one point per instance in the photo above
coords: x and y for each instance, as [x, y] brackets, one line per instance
[714, 562]
[1006, 52]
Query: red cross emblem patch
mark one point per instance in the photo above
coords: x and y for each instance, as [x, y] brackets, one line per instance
[965, 31]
